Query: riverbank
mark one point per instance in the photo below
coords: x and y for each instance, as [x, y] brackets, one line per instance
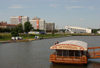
[6, 37]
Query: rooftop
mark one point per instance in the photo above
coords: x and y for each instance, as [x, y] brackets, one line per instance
[70, 45]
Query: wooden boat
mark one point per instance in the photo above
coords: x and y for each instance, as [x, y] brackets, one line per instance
[73, 52]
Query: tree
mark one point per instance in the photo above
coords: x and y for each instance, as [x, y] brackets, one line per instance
[20, 28]
[27, 27]
[95, 30]
[5, 30]
[14, 32]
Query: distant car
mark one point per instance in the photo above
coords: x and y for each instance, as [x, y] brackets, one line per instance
[36, 37]
[13, 38]
[42, 32]
[20, 38]
[16, 38]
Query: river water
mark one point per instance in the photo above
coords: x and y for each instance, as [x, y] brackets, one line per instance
[35, 54]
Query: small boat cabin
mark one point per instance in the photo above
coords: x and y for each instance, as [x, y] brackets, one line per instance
[71, 52]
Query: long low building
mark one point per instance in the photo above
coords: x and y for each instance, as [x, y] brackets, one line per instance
[5, 25]
[72, 29]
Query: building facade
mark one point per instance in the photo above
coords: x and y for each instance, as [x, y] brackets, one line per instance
[72, 29]
[38, 23]
[5, 25]
[19, 19]
[50, 27]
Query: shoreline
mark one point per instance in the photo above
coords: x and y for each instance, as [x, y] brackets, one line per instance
[12, 41]
[47, 36]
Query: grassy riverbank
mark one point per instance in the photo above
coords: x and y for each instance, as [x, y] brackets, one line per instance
[7, 36]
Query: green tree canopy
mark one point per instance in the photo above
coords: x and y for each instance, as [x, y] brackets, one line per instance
[20, 28]
[27, 27]
[5, 30]
[95, 30]
[14, 32]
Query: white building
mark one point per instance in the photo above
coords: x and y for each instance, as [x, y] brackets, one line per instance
[38, 23]
[72, 29]
[98, 31]
[19, 19]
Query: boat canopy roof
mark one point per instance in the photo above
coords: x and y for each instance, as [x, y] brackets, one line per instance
[70, 45]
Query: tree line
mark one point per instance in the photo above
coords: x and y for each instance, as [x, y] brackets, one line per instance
[21, 29]
[18, 29]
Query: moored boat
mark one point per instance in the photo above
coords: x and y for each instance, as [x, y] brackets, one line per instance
[71, 52]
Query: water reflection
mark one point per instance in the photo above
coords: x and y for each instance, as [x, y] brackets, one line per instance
[89, 65]
[36, 54]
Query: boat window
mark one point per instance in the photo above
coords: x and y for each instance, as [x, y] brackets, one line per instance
[77, 53]
[70, 53]
[59, 52]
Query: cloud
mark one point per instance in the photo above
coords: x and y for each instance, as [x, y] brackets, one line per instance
[15, 6]
[91, 7]
[80, 7]
[81, 19]
[75, 0]
[53, 5]
[74, 7]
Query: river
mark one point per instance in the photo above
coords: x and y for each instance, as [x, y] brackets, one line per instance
[35, 54]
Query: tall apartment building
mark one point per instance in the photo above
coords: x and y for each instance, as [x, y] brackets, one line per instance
[50, 27]
[19, 19]
[38, 23]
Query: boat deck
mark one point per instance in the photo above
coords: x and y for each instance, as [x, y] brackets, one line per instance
[68, 59]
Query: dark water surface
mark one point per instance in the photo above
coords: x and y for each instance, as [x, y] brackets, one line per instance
[35, 54]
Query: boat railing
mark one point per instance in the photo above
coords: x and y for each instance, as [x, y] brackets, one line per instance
[68, 58]
[93, 52]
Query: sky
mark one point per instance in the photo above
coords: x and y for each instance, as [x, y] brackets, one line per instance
[82, 13]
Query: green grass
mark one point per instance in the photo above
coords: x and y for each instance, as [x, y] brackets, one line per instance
[52, 35]
[27, 36]
[7, 36]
